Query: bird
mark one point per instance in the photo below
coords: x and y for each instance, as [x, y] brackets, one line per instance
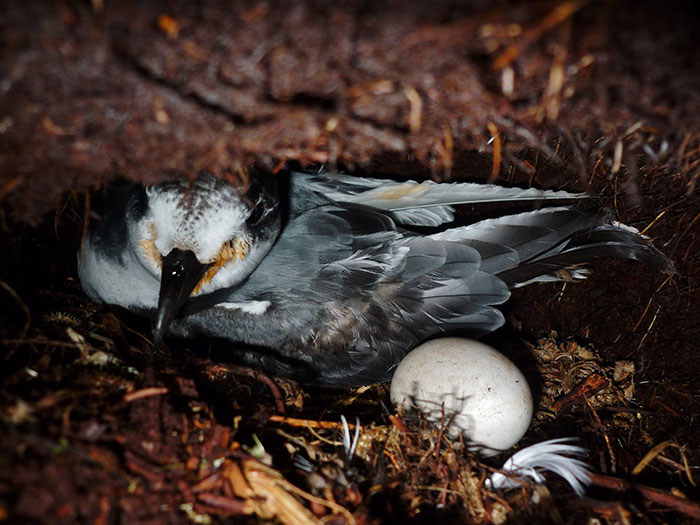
[330, 278]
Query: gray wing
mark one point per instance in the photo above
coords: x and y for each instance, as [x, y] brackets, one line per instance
[417, 204]
[343, 296]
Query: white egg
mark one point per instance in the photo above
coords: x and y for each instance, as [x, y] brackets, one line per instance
[487, 394]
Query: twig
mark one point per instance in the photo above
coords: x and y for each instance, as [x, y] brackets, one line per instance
[684, 467]
[441, 431]
[649, 456]
[398, 423]
[593, 384]
[310, 423]
[649, 303]
[682, 235]
[655, 453]
[144, 393]
[393, 460]
[682, 505]
[230, 505]
[613, 460]
[555, 17]
[648, 330]
[613, 511]
[653, 222]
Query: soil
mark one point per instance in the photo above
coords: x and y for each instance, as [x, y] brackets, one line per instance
[98, 427]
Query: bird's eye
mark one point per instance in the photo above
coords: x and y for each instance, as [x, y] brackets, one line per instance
[257, 214]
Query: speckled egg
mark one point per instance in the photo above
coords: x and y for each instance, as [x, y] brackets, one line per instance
[486, 392]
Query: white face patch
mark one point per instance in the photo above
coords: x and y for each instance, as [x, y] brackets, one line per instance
[200, 219]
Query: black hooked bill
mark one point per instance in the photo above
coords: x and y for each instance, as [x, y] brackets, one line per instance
[181, 273]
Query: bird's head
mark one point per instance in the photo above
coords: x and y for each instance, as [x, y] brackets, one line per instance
[202, 236]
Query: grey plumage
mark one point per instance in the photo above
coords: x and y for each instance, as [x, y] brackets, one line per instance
[346, 290]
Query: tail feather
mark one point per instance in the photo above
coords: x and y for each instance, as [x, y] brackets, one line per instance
[535, 246]
[607, 240]
[507, 242]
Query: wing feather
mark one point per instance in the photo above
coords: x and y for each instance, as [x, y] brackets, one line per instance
[414, 203]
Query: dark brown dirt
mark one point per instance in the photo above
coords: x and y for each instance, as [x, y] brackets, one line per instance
[604, 97]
